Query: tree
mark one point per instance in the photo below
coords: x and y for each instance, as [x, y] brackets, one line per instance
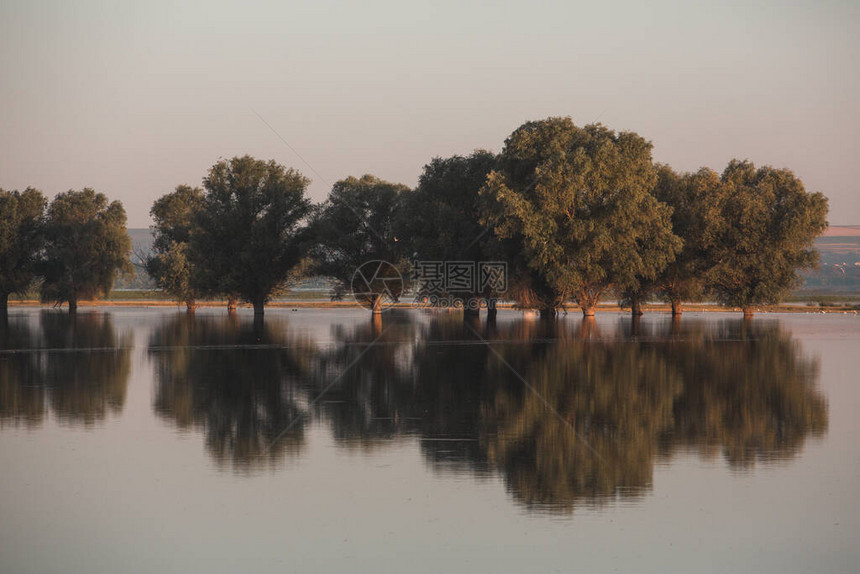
[248, 233]
[696, 200]
[21, 240]
[86, 246]
[578, 201]
[440, 219]
[355, 226]
[169, 265]
[768, 223]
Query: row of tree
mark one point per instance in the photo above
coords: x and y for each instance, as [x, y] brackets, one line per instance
[76, 246]
[577, 213]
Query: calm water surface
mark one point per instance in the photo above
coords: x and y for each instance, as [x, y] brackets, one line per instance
[143, 440]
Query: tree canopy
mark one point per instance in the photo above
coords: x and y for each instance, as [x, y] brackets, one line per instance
[21, 240]
[767, 226]
[168, 264]
[579, 203]
[248, 234]
[86, 247]
[356, 226]
[696, 200]
[441, 219]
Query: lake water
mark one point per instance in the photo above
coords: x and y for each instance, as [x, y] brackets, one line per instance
[143, 440]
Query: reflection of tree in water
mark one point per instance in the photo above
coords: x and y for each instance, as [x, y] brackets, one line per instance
[22, 394]
[365, 374]
[78, 365]
[238, 381]
[608, 403]
[744, 390]
[748, 392]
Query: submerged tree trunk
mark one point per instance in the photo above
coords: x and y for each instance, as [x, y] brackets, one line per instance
[472, 306]
[73, 306]
[748, 312]
[259, 331]
[492, 312]
[675, 328]
[636, 325]
[636, 306]
[4, 303]
[259, 306]
[548, 313]
[231, 304]
[676, 308]
[376, 304]
[190, 305]
[587, 301]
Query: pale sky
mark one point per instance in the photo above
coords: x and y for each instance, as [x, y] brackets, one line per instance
[133, 99]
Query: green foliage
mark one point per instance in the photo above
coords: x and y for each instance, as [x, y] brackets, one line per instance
[440, 219]
[578, 204]
[696, 200]
[21, 239]
[171, 271]
[86, 246]
[169, 265]
[768, 223]
[356, 225]
[248, 234]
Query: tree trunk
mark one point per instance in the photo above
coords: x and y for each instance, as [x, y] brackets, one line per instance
[548, 313]
[676, 308]
[636, 306]
[468, 311]
[492, 312]
[4, 303]
[748, 312]
[231, 304]
[376, 304]
[472, 306]
[259, 306]
[190, 306]
[587, 301]
[73, 306]
[259, 331]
